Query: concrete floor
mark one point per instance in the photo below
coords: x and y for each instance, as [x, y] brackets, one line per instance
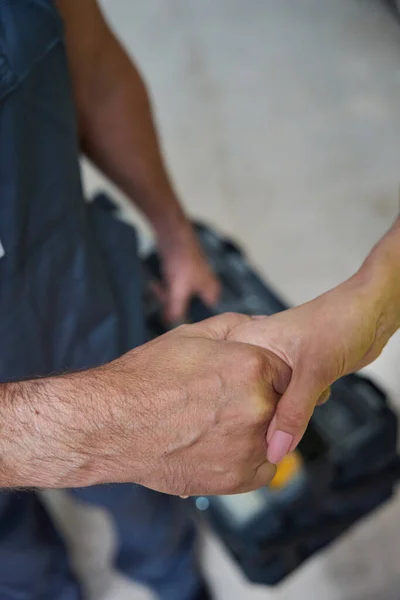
[281, 125]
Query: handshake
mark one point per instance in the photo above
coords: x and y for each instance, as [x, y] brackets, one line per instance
[204, 409]
[210, 408]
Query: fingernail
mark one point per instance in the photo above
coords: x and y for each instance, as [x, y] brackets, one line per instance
[279, 446]
[271, 429]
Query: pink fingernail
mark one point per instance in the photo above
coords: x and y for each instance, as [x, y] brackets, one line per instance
[271, 429]
[279, 446]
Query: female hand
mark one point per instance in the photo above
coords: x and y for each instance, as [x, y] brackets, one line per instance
[337, 333]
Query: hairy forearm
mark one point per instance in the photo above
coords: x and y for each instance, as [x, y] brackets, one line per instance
[42, 432]
[115, 117]
[54, 431]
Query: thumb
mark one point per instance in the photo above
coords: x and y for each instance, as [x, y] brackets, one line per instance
[292, 415]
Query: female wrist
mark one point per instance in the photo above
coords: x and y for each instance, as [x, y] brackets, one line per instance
[378, 283]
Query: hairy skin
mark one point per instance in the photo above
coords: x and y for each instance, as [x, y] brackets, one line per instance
[184, 414]
[189, 412]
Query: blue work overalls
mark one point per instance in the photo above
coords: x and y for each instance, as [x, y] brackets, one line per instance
[69, 299]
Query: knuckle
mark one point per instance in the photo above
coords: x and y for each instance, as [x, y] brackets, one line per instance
[268, 473]
[183, 490]
[183, 329]
[260, 413]
[233, 481]
[254, 364]
[230, 314]
[231, 318]
[264, 410]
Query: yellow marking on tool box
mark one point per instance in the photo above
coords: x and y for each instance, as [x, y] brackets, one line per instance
[287, 469]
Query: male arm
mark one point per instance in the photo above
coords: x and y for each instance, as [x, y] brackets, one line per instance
[118, 133]
[45, 425]
[185, 414]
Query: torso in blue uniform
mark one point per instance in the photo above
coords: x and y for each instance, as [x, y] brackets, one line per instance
[59, 307]
[69, 299]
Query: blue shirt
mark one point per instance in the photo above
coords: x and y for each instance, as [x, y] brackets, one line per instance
[69, 291]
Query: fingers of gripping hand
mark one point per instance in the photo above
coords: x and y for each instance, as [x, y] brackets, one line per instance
[262, 476]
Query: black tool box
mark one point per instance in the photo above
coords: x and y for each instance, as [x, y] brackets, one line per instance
[348, 457]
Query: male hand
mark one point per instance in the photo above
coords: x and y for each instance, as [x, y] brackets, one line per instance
[320, 341]
[186, 272]
[188, 413]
